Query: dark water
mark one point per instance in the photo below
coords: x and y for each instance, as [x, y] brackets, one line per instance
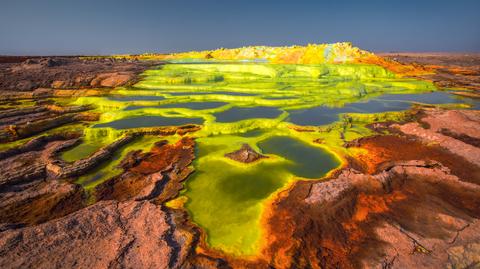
[389, 102]
[319, 115]
[212, 92]
[253, 133]
[426, 98]
[314, 116]
[307, 161]
[191, 105]
[243, 113]
[148, 121]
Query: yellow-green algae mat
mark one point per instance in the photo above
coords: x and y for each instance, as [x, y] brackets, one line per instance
[257, 104]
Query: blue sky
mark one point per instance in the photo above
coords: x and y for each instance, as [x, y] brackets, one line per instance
[34, 27]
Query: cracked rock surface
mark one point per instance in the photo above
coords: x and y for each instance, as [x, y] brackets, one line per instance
[408, 216]
[409, 199]
[32, 73]
[108, 234]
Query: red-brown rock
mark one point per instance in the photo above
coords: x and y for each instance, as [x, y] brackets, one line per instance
[108, 234]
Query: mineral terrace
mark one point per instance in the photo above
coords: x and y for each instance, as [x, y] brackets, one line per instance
[401, 190]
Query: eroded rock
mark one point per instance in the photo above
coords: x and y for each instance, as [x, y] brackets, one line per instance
[39, 201]
[380, 151]
[459, 122]
[24, 122]
[69, 72]
[57, 168]
[156, 175]
[26, 195]
[108, 234]
[113, 80]
[447, 70]
[22, 168]
[403, 217]
[245, 155]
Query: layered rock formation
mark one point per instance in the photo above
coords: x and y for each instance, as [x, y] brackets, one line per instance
[108, 234]
[409, 201]
[138, 233]
[408, 215]
[69, 73]
[156, 175]
[404, 200]
[447, 70]
[27, 197]
[245, 155]
[392, 208]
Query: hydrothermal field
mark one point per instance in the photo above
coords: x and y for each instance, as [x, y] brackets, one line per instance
[297, 107]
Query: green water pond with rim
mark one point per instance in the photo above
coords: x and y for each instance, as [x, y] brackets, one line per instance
[259, 104]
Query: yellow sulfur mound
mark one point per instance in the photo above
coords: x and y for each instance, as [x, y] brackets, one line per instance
[342, 52]
[310, 54]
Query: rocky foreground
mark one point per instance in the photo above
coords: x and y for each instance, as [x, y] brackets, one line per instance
[37, 77]
[452, 70]
[410, 199]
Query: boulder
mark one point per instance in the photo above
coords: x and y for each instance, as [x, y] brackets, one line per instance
[117, 80]
[245, 155]
[25, 85]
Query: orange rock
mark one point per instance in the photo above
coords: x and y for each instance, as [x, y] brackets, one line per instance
[395, 67]
[117, 80]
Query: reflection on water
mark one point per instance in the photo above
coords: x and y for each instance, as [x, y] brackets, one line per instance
[427, 98]
[307, 161]
[192, 105]
[148, 121]
[195, 105]
[243, 113]
[79, 152]
[253, 133]
[388, 102]
[212, 93]
[226, 198]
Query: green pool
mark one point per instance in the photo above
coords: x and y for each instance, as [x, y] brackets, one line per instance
[262, 105]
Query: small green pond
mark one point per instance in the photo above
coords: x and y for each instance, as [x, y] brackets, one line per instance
[259, 104]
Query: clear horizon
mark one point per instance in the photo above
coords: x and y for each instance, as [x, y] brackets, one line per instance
[88, 27]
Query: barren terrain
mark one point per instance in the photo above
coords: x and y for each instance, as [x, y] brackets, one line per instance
[408, 198]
